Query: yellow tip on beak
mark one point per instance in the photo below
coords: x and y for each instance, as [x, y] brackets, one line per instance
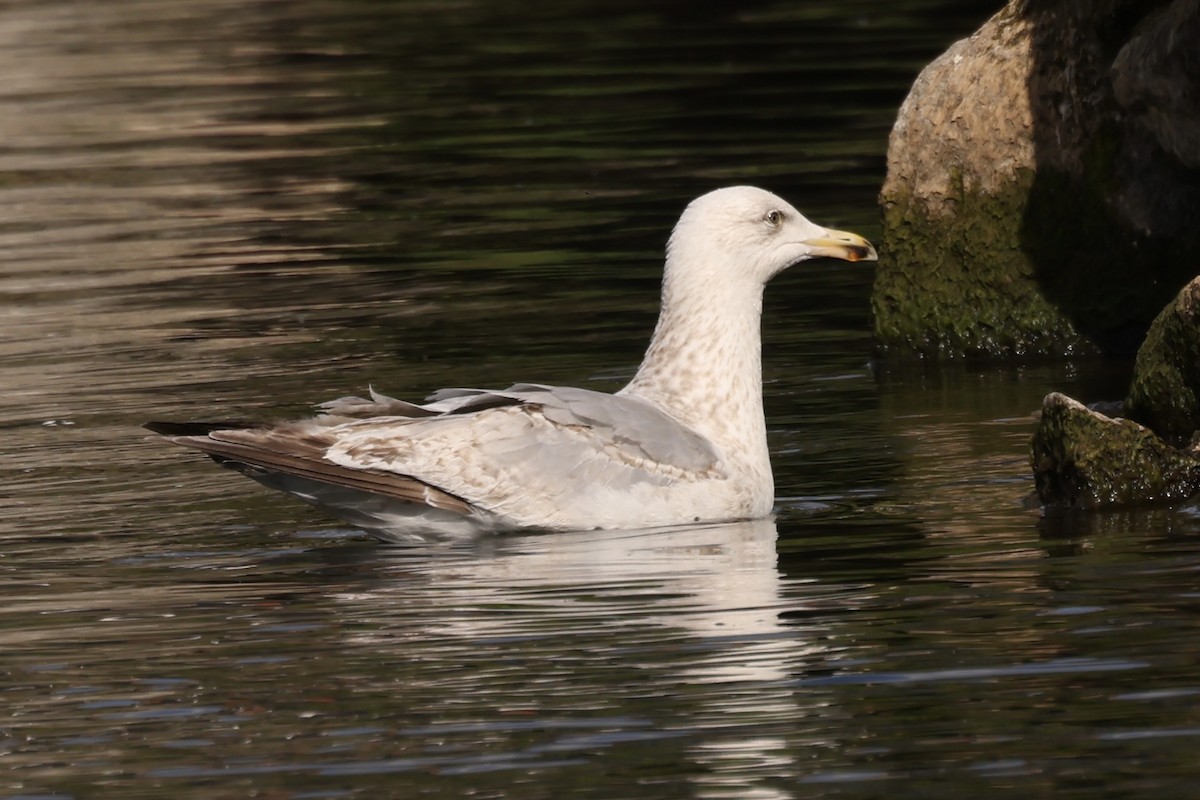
[843, 245]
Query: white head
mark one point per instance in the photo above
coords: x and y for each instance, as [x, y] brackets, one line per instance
[756, 234]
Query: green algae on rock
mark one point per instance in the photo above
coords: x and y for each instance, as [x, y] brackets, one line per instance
[962, 287]
[1165, 393]
[1084, 459]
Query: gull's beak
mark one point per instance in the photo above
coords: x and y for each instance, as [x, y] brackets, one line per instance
[843, 245]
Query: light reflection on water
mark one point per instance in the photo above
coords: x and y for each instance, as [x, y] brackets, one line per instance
[712, 657]
[248, 207]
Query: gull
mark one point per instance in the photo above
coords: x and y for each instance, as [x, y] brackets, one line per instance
[684, 442]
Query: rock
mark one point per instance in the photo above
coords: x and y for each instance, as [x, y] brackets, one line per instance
[1156, 78]
[1043, 183]
[1083, 459]
[1165, 393]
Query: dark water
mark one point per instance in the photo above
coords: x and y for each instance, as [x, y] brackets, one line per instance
[217, 207]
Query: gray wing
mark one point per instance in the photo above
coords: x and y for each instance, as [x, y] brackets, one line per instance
[535, 455]
[529, 451]
[624, 422]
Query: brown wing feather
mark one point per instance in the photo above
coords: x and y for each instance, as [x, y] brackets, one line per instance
[303, 457]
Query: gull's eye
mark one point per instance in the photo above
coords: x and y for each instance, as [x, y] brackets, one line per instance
[774, 217]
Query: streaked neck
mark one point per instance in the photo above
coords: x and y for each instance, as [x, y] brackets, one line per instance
[704, 362]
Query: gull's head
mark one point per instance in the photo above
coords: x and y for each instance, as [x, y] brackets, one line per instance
[755, 234]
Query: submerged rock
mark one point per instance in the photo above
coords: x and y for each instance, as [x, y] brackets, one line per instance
[1043, 183]
[1084, 459]
[1165, 394]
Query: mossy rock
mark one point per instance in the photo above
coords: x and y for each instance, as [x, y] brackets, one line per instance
[1083, 459]
[1030, 208]
[1025, 272]
[1165, 393]
[962, 286]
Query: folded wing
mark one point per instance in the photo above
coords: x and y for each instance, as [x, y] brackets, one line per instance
[529, 454]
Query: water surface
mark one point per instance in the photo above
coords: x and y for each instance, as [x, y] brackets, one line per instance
[217, 208]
